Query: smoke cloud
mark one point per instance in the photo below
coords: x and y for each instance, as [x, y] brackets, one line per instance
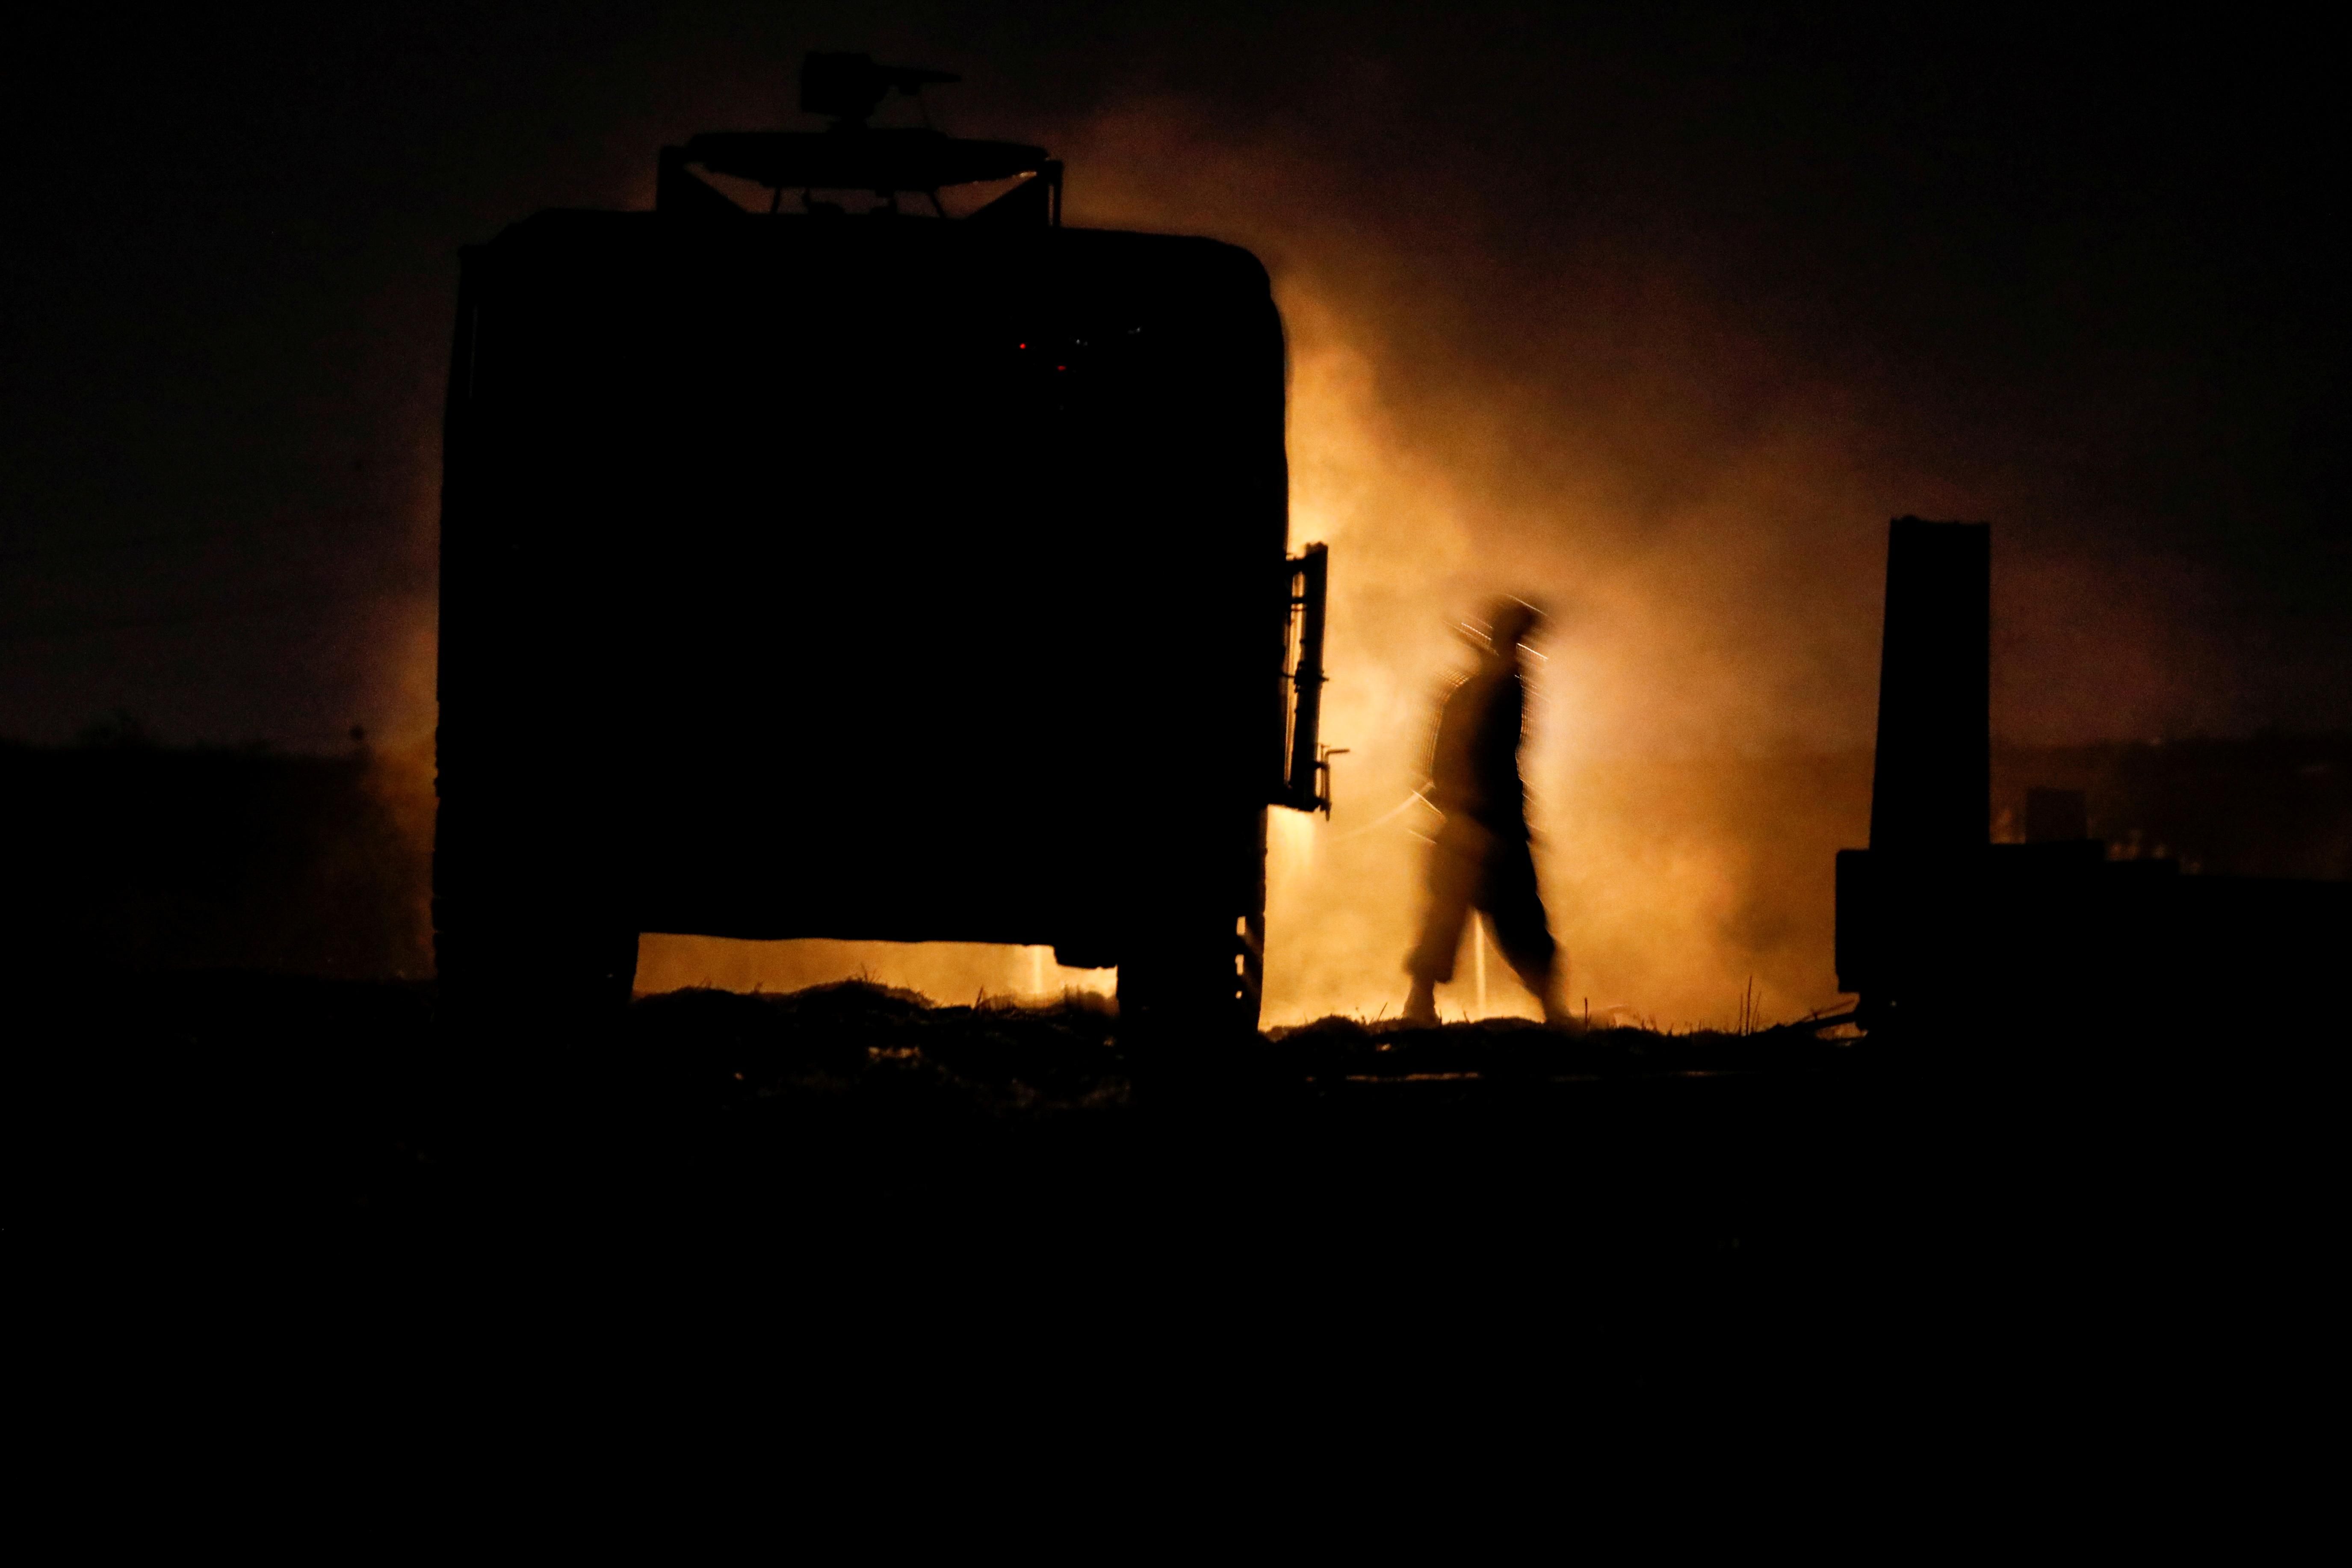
[1709, 556]
[1687, 442]
[1658, 314]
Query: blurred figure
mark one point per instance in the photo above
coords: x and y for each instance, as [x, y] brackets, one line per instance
[1482, 860]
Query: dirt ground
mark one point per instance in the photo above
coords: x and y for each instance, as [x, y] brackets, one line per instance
[1773, 1220]
[347, 1097]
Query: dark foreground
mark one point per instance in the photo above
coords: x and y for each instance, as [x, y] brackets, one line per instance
[345, 1103]
[1773, 1215]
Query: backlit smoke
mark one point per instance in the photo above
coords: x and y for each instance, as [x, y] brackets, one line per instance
[1703, 510]
[1697, 622]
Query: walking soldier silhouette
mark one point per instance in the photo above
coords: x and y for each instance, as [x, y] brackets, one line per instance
[1482, 860]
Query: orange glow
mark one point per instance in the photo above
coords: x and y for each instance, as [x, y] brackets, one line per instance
[1698, 733]
[1699, 728]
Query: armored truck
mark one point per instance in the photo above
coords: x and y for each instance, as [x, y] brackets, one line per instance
[876, 574]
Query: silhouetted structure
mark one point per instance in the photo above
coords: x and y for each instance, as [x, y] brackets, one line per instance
[1933, 772]
[1932, 777]
[1482, 860]
[1939, 930]
[2056, 816]
[807, 575]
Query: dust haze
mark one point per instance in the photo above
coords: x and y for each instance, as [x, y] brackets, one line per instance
[1659, 314]
[1701, 499]
[1712, 569]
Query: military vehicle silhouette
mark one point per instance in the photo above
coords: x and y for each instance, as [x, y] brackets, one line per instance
[879, 574]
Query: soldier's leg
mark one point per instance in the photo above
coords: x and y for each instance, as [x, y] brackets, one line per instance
[1455, 865]
[1515, 914]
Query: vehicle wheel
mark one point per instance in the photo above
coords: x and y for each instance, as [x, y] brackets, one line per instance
[1196, 983]
[531, 970]
[517, 943]
[1249, 999]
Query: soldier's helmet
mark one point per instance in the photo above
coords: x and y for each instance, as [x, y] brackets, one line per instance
[1513, 622]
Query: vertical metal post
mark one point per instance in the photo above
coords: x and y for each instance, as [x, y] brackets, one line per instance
[1479, 936]
[1931, 788]
[1910, 915]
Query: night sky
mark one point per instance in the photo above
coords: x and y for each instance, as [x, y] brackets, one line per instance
[2079, 278]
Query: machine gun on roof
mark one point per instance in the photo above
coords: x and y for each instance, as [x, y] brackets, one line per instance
[852, 155]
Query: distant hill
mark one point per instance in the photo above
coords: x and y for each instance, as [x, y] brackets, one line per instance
[128, 856]
[2265, 805]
